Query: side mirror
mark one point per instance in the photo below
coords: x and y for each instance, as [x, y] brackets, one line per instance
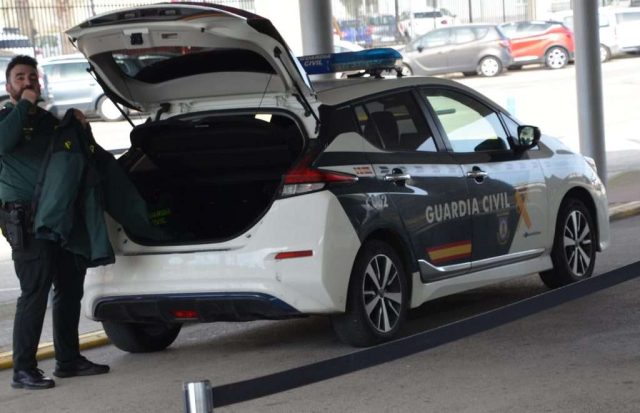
[420, 49]
[528, 137]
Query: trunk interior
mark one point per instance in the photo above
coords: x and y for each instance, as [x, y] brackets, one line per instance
[212, 178]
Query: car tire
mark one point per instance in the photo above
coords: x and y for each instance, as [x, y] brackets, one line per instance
[375, 311]
[556, 58]
[406, 70]
[605, 53]
[107, 110]
[141, 337]
[490, 66]
[574, 252]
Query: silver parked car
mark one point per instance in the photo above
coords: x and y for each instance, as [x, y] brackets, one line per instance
[471, 49]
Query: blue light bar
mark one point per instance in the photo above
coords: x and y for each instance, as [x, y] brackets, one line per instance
[367, 60]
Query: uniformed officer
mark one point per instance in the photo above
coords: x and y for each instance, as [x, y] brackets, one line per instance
[25, 133]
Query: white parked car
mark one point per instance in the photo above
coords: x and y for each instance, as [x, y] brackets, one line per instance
[619, 30]
[425, 20]
[354, 198]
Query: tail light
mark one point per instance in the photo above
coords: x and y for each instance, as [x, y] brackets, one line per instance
[444, 22]
[401, 27]
[303, 179]
[615, 33]
[505, 43]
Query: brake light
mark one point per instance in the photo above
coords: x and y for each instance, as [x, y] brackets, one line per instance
[444, 22]
[185, 314]
[293, 254]
[505, 43]
[303, 178]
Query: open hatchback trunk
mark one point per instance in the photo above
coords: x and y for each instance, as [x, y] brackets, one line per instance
[207, 169]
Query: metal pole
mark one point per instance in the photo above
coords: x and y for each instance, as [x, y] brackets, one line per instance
[317, 31]
[504, 12]
[470, 11]
[198, 397]
[589, 84]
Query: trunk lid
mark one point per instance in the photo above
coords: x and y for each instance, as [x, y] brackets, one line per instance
[147, 56]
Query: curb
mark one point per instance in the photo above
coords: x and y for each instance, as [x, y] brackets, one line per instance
[45, 350]
[624, 211]
[99, 338]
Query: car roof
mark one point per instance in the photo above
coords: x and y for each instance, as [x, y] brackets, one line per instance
[339, 91]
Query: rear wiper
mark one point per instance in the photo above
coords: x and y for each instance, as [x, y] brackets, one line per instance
[302, 99]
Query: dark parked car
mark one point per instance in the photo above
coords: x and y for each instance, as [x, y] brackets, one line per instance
[471, 49]
[357, 32]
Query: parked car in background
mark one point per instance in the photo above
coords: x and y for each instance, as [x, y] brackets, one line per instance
[5, 58]
[342, 46]
[426, 20]
[67, 84]
[547, 42]
[356, 31]
[384, 29]
[619, 30]
[16, 43]
[471, 49]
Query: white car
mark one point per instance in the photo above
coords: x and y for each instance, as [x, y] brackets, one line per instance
[425, 20]
[619, 30]
[343, 46]
[355, 198]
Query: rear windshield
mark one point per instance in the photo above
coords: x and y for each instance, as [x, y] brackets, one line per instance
[156, 65]
[427, 15]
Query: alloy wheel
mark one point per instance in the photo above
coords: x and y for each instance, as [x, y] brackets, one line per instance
[489, 67]
[557, 58]
[578, 243]
[382, 293]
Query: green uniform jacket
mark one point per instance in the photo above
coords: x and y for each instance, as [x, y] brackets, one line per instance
[82, 181]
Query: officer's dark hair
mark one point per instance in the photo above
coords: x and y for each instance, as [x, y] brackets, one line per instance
[21, 60]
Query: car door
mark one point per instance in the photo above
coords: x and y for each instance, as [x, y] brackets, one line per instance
[628, 29]
[529, 40]
[70, 85]
[421, 181]
[464, 50]
[431, 52]
[508, 192]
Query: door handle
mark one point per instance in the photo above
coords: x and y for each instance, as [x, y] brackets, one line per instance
[479, 174]
[397, 177]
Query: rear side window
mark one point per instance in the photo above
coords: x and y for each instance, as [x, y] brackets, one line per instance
[628, 17]
[71, 71]
[395, 122]
[464, 35]
[469, 124]
[14, 43]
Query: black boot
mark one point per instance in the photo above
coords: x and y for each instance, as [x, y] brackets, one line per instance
[31, 379]
[79, 367]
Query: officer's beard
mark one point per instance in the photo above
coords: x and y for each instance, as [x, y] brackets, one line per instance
[17, 94]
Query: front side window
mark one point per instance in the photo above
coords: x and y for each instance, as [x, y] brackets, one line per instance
[628, 17]
[470, 125]
[395, 123]
[464, 35]
[435, 39]
[70, 71]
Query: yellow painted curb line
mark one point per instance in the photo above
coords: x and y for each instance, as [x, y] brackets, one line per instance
[45, 350]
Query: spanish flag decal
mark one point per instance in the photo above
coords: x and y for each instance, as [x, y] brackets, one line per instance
[450, 252]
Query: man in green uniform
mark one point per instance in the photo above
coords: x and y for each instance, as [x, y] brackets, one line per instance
[25, 133]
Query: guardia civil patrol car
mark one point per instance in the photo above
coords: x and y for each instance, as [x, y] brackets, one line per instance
[356, 198]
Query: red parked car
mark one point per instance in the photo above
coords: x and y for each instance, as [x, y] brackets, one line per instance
[545, 42]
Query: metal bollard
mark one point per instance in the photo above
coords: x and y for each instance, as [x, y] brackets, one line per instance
[198, 397]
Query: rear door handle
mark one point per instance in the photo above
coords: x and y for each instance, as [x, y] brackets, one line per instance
[479, 174]
[397, 177]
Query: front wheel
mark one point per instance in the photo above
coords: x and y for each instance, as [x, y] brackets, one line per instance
[378, 297]
[406, 70]
[574, 246]
[490, 66]
[141, 337]
[605, 53]
[108, 111]
[556, 58]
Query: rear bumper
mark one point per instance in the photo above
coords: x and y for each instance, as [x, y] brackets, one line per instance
[208, 307]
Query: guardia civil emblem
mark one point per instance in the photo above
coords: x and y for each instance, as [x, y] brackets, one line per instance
[503, 229]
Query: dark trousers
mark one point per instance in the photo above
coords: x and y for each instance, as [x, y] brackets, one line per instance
[42, 265]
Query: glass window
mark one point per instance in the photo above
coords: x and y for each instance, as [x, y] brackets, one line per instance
[470, 125]
[464, 35]
[74, 70]
[628, 17]
[435, 39]
[396, 123]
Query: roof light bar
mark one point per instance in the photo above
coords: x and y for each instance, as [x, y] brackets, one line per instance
[368, 60]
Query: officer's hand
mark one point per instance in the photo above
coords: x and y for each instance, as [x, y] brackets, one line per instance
[81, 118]
[30, 95]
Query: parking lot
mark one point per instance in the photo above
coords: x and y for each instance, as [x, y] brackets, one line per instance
[577, 357]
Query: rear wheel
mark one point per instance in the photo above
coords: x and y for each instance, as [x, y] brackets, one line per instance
[378, 297]
[556, 58]
[108, 111]
[605, 53]
[490, 66]
[141, 337]
[406, 70]
[574, 246]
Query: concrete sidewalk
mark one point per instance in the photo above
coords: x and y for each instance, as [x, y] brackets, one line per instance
[624, 197]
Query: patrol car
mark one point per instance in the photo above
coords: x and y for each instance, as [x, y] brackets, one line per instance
[355, 198]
